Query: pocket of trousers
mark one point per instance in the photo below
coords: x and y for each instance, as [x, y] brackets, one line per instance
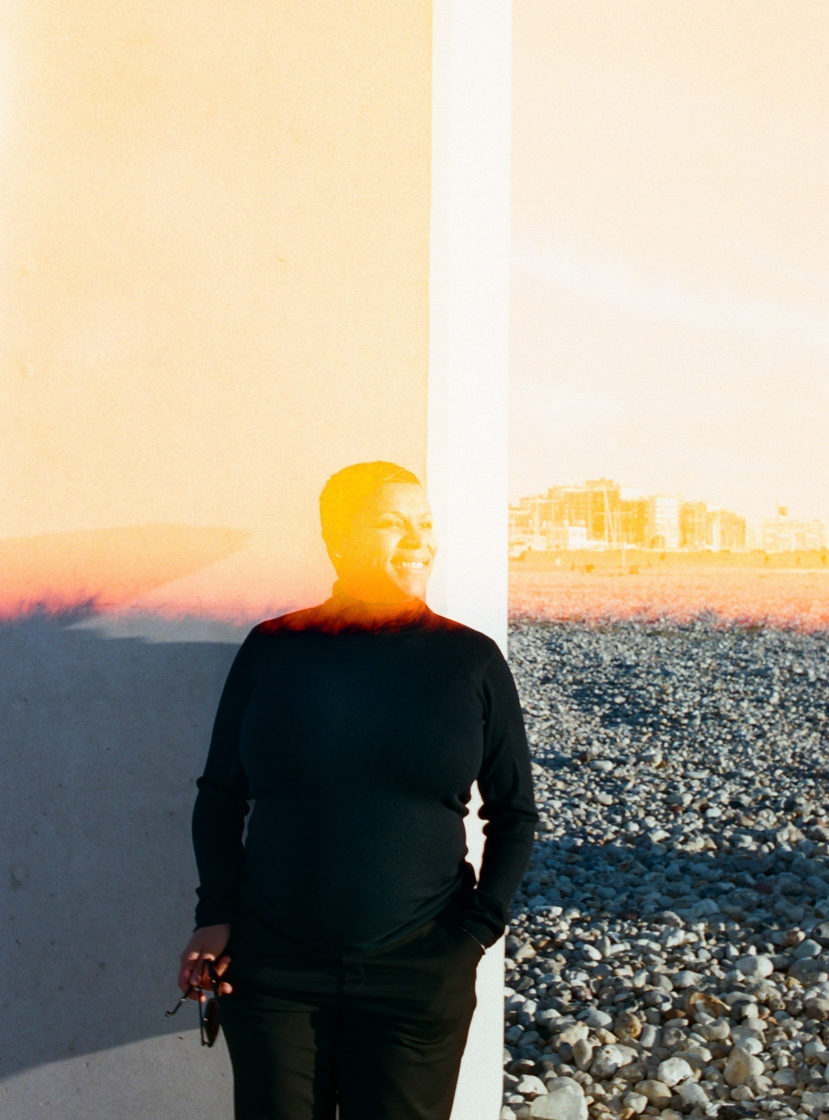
[466, 942]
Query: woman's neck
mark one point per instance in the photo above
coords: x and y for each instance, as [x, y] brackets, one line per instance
[350, 609]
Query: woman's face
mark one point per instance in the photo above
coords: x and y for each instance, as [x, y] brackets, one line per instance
[387, 554]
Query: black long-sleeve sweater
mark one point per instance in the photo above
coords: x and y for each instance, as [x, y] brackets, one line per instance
[358, 745]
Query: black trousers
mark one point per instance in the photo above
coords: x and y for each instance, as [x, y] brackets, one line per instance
[359, 1036]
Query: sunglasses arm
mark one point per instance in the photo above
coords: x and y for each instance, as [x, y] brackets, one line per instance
[183, 998]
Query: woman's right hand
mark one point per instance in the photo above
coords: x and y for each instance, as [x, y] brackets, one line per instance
[207, 944]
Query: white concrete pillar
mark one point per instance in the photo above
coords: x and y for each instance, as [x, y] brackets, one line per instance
[468, 391]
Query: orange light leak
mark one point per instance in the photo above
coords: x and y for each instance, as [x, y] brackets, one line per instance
[99, 570]
[175, 571]
[788, 599]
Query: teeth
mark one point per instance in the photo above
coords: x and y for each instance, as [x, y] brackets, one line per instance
[413, 564]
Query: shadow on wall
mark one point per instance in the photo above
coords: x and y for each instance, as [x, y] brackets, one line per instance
[103, 738]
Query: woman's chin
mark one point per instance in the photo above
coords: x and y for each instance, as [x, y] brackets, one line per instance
[409, 589]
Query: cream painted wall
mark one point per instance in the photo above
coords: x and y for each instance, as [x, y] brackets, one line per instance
[214, 274]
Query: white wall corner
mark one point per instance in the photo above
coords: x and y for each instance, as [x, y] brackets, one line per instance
[469, 309]
[467, 461]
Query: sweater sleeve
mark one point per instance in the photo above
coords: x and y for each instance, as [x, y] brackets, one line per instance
[222, 801]
[508, 807]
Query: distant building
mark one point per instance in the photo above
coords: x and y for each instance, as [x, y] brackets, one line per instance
[712, 530]
[726, 531]
[694, 527]
[568, 517]
[791, 534]
[634, 521]
[663, 521]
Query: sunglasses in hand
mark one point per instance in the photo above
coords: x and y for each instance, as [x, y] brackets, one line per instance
[208, 1005]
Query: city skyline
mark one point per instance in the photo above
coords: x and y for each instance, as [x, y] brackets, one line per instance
[602, 512]
[636, 491]
[670, 245]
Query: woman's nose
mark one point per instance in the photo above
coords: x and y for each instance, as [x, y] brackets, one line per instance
[413, 537]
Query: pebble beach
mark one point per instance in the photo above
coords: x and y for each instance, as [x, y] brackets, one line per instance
[668, 951]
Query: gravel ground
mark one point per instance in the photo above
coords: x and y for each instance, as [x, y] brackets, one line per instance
[668, 953]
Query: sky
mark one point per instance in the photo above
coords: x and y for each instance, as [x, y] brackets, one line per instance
[670, 271]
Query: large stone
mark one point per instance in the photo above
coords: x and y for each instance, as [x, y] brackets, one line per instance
[594, 1017]
[582, 1054]
[531, 1086]
[697, 1056]
[716, 1031]
[817, 1007]
[748, 1041]
[572, 1034]
[785, 1079]
[695, 1001]
[649, 1037]
[809, 971]
[636, 1102]
[564, 1101]
[694, 1095]
[627, 1025]
[685, 978]
[752, 967]
[657, 1092]
[817, 1101]
[674, 1070]
[608, 1059]
[741, 1067]
[806, 950]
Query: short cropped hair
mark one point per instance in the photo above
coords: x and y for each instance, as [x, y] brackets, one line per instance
[345, 491]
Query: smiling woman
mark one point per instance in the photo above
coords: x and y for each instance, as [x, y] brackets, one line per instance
[348, 926]
[377, 527]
